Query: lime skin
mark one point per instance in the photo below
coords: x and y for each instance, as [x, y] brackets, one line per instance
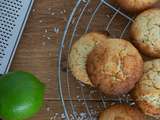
[21, 95]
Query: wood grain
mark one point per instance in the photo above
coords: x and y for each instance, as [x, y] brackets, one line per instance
[37, 50]
[37, 53]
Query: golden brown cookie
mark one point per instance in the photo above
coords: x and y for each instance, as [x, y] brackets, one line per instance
[147, 90]
[136, 5]
[121, 112]
[114, 66]
[79, 52]
[145, 32]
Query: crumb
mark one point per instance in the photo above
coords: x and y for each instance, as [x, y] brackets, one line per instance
[33, 10]
[63, 116]
[48, 109]
[40, 21]
[48, 38]
[49, 9]
[56, 29]
[51, 118]
[46, 30]
[44, 43]
[52, 13]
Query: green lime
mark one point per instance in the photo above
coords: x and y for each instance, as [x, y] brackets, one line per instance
[21, 95]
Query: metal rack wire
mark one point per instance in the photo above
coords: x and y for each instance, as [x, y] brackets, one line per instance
[82, 20]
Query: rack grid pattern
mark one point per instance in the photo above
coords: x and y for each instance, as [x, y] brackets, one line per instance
[86, 16]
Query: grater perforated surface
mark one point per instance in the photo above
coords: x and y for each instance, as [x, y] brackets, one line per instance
[13, 16]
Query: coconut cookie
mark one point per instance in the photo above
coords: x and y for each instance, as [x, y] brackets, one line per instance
[136, 5]
[114, 66]
[121, 112]
[147, 91]
[145, 32]
[79, 52]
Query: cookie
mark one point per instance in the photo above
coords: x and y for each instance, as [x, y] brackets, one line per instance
[114, 66]
[145, 32]
[121, 112]
[136, 5]
[147, 90]
[79, 52]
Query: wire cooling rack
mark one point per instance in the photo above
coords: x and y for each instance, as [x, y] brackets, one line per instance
[82, 102]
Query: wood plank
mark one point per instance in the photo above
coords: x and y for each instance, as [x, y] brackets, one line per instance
[37, 50]
[37, 53]
[53, 110]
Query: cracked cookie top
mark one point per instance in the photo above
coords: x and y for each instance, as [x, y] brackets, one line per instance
[136, 5]
[121, 112]
[114, 66]
[145, 32]
[147, 90]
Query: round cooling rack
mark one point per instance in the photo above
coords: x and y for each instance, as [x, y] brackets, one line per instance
[81, 102]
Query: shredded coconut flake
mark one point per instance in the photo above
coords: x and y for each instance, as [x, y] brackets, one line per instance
[56, 29]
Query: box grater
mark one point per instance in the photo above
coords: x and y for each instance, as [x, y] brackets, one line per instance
[13, 17]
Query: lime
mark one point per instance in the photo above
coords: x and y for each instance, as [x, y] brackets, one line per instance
[21, 95]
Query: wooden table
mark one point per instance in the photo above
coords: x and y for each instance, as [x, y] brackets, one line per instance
[36, 52]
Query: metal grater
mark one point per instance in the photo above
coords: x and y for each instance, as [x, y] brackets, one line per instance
[13, 17]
